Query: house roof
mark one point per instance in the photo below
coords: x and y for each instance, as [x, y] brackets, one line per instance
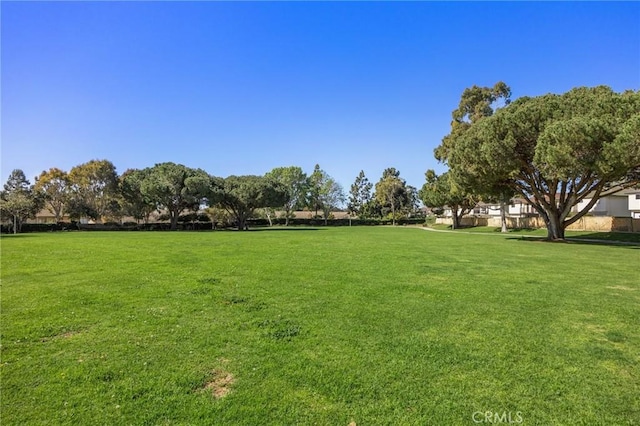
[624, 193]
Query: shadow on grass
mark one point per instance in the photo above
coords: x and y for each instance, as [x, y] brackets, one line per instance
[25, 235]
[625, 237]
[284, 229]
[581, 240]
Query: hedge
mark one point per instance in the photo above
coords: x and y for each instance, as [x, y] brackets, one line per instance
[200, 226]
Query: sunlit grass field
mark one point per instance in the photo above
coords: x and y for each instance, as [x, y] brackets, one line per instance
[328, 326]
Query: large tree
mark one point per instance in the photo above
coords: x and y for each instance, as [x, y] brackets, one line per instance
[18, 200]
[555, 150]
[53, 185]
[460, 194]
[175, 188]
[294, 182]
[438, 192]
[314, 186]
[360, 195]
[93, 189]
[331, 196]
[323, 193]
[242, 195]
[393, 194]
[134, 201]
[475, 103]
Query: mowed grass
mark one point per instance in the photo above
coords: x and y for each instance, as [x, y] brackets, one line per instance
[541, 233]
[329, 326]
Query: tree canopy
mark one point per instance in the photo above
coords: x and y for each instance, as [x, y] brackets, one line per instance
[554, 151]
[17, 200]
[439, 191]
[331, 196]
[360, 195]
[134, 202]
[241, 195]
[53, 185]
[93, 189]
[393, 194]
[175, 188]
[294, 182]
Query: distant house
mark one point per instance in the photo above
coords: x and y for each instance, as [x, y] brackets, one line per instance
[46, 216]
[622, 204]
[633, 199]
[307, 214]
[517, 207]
[486, 209]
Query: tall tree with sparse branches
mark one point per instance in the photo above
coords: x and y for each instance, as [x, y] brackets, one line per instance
[360, 195]
[393, 194]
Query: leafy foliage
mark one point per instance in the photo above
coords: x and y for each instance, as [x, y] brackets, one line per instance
[93, 187]
[134, 201]
[360, 195]
[394, 196]
[439, 191]
[175, 188]
[294, 182]
[331, 196]
[241, 195]
[323, 193]
[555, 150]
[53, 185]
[18, 200]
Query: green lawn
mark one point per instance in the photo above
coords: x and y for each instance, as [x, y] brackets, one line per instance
[624, 237]
[375, 325]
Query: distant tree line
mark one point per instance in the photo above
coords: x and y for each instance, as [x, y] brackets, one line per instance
[95, 191]
[553, 151]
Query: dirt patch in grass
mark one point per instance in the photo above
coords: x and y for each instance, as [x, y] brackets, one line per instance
[65, 335]
[219, 384]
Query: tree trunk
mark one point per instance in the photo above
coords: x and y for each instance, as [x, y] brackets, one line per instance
[242, 223]
[15, 225]
[174, 221]
[503, 216]
[555, 228]
[393, 213]
[455, 224]
[286, 219]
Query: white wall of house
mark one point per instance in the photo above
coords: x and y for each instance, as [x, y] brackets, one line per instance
[634, 205]
[493, 210]
[608, 206]
[518, 209]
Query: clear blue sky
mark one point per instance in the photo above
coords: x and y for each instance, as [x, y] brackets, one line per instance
[243, 87]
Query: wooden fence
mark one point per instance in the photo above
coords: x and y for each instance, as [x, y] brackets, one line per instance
[585, 223]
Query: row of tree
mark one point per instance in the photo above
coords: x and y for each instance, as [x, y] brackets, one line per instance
[553, 151]
[94, 190]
